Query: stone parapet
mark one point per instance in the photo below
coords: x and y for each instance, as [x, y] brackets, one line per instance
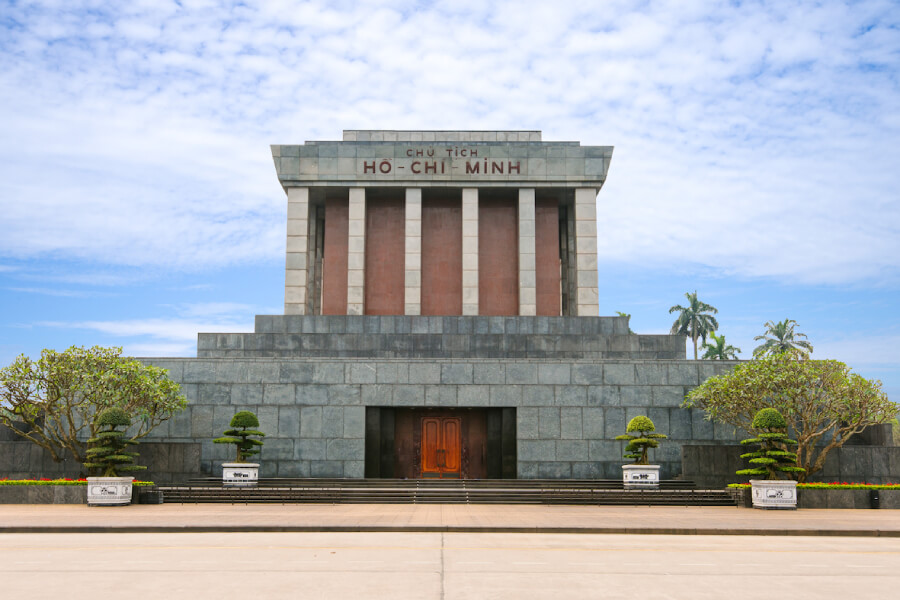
[441, 337]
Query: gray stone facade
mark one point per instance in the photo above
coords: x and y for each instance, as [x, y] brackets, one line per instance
[313, 409]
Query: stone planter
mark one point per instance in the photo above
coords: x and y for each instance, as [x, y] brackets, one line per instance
[240, 474]
[640, 476]
[774, 494]
[109, 491]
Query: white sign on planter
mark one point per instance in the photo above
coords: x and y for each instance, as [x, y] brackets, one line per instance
[774, 493]
[240, 474]
[109, 491]
[640, 476]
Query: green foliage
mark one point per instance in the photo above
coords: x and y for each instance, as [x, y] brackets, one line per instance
[772, 457]
[780, 338]
[768, 418]
[106, 452]
[242, 436]
[640, 439]
[833, 486]
[627, 316]
[719, 350]
[640, 423]
[54, 401]
[244, 418]
[822, 402]
[694, 320]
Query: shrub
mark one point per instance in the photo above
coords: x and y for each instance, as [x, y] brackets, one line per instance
[773, 456]
[640, 439]
[106, 452]
[240, 435]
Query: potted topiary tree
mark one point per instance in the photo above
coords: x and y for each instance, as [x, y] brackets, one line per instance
[771, 459]
[243, 435]
[640, 438]
[107, 453]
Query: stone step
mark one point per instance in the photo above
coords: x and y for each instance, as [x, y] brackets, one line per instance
[344, 491]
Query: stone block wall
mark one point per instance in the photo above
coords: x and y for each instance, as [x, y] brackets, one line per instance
[714, 465]
[313, 410]
[166, 462]
[440, 337]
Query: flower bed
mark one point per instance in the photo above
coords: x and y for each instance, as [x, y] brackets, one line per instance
[63, 481]
[835, 495]
[56, 491]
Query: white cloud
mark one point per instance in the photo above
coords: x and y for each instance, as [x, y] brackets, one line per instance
[63, 293]
[756, 138]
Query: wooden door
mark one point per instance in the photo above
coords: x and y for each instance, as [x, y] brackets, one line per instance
[441, 437]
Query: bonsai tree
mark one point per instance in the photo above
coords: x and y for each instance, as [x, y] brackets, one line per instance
[773, 456]
[640, 438]
[241, 435]
[106, 452]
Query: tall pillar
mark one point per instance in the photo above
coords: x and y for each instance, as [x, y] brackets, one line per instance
[296, 273]
[586, 295]
[413, 271]
[527, 265]
[470, 251]
[356, 251]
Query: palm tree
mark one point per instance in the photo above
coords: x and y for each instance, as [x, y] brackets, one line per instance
[780, 337]
[694, 319]
[720, 350]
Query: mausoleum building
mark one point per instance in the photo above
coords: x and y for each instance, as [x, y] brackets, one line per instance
[440, 320]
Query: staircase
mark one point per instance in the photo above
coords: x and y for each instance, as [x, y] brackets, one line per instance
[444, 491]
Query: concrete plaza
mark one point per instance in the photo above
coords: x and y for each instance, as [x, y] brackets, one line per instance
[468, 518]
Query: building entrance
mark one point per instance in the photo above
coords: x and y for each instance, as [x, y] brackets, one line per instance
[440, 443]
[441, 447]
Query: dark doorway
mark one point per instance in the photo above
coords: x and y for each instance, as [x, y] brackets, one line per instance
[422, 443]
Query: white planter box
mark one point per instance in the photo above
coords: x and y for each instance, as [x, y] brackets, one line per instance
[109, 491]
[240, 474]
[774, 493]
[640, 476]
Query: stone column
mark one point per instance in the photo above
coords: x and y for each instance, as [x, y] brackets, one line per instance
[413, 270]
[470, 251]
[586, 295]
[296, 262]
[527, 265]
[356, 251]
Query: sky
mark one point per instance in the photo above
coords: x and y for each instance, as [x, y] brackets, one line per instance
[755, 155]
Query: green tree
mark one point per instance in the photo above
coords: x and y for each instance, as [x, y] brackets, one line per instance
[627, 316]
[640, 438]
[107, 452]
[719, 350]
[773, 456]
[780, 338]
[822, 402]
[694, 320]
[54, 401]
[242, 436]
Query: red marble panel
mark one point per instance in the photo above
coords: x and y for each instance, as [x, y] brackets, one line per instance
[385, 253]
[441, 253]
[498, 253]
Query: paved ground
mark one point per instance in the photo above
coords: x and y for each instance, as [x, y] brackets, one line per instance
[444, 566]
[59, 518]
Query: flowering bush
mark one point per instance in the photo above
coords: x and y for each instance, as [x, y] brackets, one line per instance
[61, 481]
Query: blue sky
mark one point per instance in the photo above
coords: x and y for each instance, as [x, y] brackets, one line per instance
[755, 153]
